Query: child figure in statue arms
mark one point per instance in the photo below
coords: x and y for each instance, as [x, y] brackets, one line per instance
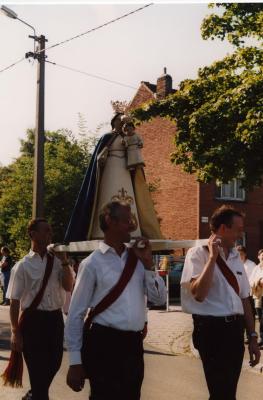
[133, 143]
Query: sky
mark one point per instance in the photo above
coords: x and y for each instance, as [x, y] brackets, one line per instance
[134, 49]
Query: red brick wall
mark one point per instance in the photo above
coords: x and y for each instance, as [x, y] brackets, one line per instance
[176, 192]
[180, 201]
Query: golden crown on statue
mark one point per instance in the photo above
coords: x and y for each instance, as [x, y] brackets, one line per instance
[120, 106]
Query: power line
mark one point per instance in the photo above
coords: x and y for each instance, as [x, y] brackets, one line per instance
[98, 27]
[82, 34]
[12, 65]
[91, 75]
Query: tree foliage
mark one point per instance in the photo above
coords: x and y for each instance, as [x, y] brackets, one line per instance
[219, 115]
[237, 22]
[65, 163]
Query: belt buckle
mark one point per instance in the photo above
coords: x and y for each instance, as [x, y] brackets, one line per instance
[230, 318]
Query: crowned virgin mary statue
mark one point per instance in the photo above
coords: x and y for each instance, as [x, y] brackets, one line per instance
[109, 178]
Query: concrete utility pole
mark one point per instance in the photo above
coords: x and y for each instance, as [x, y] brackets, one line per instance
[38, 183]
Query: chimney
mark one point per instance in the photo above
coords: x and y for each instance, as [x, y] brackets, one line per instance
[164, 85]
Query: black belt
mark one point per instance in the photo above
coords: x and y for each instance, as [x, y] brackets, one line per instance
[107, 329]
[224, 319]
[47, 312]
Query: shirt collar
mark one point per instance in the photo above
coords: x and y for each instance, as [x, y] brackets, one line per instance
[32, 254]
[233, 253]
[104, 248]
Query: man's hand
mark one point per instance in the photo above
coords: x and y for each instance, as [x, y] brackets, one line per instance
[145, 331]
[61, 255]
[16, 341]
[214, 242]
[143, 251]
[76, 377]
[254, 352]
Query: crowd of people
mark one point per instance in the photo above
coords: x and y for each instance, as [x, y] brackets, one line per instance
[106, 319]
[255, 277]
[38, 287]
[107, 346]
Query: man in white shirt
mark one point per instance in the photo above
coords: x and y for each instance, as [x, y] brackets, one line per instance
[256, 283]
[249, 265]
[249, 268]
[40, 337]
[219, 302]
[115, 340]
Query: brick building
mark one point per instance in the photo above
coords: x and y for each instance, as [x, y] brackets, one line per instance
[184, 205]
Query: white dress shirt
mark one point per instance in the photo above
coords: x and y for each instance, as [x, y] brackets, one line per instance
[256, 275]
[97, 274]
[222, 300]
[257, 290]
[249, 267]
[26, 279]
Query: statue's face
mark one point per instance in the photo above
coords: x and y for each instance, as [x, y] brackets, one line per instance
[118, 124]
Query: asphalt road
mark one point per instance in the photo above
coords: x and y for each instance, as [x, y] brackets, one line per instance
[167, 377]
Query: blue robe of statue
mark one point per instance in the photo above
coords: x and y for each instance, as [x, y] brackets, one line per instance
[80, 219]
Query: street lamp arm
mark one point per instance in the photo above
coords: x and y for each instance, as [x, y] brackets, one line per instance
[11, 14]
[30, 26]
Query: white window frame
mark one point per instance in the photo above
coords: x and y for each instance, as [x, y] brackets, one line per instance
[243, 240]
[235, 197]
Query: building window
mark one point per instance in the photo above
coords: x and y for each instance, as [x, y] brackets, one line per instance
[242, 241]
[231, 190]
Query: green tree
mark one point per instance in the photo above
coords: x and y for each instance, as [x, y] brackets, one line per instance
[237, 22]
[219, 115]
[65, 164]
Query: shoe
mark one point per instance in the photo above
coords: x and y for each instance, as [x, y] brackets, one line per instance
[27, 396]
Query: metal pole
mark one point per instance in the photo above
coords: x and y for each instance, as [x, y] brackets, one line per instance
[38, 183]
[167, 288]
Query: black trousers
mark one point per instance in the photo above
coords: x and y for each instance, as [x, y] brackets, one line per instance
[116, 366]
[220, 343]
[43, 333]
[260, 318]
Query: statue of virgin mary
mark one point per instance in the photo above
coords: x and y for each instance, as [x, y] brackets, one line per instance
[108, 178]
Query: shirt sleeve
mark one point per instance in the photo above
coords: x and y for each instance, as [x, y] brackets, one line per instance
[244, 288]
[16, 284]
[80, 302]
[195, 261]
[155, 287]
[253, 280]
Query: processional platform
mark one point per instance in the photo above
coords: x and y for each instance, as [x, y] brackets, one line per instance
[88, 246]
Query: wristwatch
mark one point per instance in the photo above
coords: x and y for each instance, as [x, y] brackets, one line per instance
[253, 334]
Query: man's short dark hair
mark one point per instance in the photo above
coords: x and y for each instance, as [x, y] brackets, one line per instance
[5, 249]
[223, 216]
[111, 209]
[33, 225]
[241, 248]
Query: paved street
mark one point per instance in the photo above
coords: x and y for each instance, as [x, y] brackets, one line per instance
[171, 370]
[170, 331]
